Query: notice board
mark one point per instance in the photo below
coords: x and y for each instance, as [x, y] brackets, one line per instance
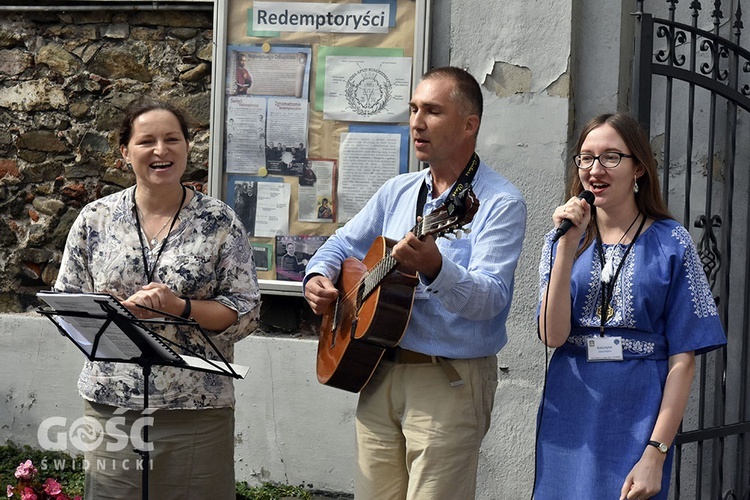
[309, 117]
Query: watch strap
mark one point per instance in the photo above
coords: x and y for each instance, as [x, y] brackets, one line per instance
[663, 448]
[188, 308]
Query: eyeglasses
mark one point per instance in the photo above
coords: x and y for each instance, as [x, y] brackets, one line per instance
[607, 160]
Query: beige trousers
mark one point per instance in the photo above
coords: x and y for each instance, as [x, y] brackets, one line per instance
[418, 438]
[192, 456]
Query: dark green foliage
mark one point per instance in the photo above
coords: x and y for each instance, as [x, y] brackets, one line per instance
[271, 491]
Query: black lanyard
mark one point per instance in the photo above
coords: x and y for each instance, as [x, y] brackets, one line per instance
[462, 183]
[609, 288]
[150, 273]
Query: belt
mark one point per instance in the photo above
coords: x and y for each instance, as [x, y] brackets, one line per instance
[405, 356]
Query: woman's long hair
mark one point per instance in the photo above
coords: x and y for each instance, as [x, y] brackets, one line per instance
[648, 198]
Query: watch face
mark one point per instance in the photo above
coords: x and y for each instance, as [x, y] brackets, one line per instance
[659, 446]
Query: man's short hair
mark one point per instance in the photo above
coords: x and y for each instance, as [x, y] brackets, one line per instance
[467, 91]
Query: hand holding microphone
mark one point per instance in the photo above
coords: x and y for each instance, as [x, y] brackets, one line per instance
[566, 224]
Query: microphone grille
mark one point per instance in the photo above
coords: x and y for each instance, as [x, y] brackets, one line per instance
[588, 196]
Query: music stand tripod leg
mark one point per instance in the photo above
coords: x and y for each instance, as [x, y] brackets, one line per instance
[144, 453]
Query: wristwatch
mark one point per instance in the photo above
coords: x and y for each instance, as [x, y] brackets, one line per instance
[663, 448]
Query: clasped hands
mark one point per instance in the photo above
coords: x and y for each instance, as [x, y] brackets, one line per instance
[154, 296]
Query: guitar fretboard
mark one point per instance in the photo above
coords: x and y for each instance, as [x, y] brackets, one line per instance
[380, 270]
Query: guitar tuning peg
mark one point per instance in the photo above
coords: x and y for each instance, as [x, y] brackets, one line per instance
[459, 234]
[466, 230]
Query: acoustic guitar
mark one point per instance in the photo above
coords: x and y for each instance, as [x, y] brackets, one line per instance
[375, 299]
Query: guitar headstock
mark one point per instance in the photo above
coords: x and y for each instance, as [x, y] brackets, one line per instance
[450, 217]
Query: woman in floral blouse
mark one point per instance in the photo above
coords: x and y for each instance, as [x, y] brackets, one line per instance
[161, 245]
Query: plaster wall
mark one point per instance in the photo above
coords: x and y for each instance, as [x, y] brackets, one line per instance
[521, 54]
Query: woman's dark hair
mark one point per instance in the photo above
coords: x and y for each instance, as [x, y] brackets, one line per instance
[648, 198]
[467, 91]
[144, 105]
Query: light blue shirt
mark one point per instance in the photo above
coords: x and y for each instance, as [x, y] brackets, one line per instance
[462, 312]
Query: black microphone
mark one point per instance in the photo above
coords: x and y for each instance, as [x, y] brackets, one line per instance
[566, 224]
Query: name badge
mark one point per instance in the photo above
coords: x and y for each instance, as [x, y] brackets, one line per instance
[604, 349]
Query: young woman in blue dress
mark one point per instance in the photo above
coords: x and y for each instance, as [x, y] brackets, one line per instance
[626, 303]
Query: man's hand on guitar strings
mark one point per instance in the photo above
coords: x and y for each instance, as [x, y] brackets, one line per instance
[421, 255]
[320, 293]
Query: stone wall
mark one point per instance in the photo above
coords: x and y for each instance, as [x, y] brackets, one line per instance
[64, 79]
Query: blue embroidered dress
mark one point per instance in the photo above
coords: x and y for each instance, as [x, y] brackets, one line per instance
[597, 417]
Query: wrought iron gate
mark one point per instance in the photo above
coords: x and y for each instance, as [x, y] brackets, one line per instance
[691, 88]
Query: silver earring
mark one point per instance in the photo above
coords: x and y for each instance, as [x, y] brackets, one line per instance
[635, 186]
[129, 165]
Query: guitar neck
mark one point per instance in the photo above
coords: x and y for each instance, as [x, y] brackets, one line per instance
[379, 271]
[377, 274]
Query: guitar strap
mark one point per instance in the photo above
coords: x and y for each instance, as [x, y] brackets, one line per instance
[422, 199]
[462, 183]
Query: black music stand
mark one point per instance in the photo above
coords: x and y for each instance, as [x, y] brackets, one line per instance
[104, 330]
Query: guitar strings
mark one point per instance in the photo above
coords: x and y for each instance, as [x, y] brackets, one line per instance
[346, 302]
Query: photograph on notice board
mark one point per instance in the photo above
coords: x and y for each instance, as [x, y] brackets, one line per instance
[317, 190]
[246, 203]
[263, 256]
[261, 203]
[325, 209]
[293, 253]
[282, 159]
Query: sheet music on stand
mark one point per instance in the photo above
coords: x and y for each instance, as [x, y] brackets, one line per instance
[104, 330]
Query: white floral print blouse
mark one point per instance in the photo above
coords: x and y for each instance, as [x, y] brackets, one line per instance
[207, 257]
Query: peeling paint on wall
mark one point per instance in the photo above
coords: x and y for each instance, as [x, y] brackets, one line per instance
[560, 87]
[508, 79]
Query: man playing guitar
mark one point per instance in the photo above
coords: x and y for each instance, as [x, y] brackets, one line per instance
[425, 409]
